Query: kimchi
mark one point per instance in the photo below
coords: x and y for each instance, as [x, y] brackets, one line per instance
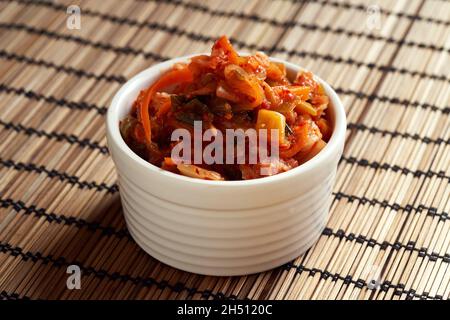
[182, 122]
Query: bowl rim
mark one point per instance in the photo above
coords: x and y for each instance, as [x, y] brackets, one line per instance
[114, 136]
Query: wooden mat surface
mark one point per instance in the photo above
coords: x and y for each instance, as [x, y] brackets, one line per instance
[388, 236]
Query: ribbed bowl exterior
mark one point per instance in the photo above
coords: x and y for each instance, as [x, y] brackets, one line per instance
[224, 242]
[223, 228]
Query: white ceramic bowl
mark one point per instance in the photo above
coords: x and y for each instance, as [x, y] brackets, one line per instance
[222, 227]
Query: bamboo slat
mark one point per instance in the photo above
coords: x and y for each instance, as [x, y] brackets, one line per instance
[388, 236]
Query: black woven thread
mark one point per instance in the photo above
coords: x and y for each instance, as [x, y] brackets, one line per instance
[102, 110]
[396, 246]
[81, 41]
[12, 296]
[431, 211]
[60, 219]
[195, 36]
[75, 180]
[206, 39]
[363, 8]
[123, 233]
[70, 138]
[385, 166]
[395, 133]
[120, 79]
[256, 18]
[324, 57]
[363, 162]
[61, 68]
[61, 102]
[52, 217]
[62, 176]
[129, 50]
[178, 287]
[393, 100]
[355, 63]
[338, 195]
[358, 283]
[104, 274]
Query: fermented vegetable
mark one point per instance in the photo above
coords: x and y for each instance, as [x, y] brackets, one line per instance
[213, 95]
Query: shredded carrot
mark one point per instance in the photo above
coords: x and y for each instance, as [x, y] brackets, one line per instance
[173, 77]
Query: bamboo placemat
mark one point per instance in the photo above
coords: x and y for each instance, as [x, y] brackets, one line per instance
[388, 236]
